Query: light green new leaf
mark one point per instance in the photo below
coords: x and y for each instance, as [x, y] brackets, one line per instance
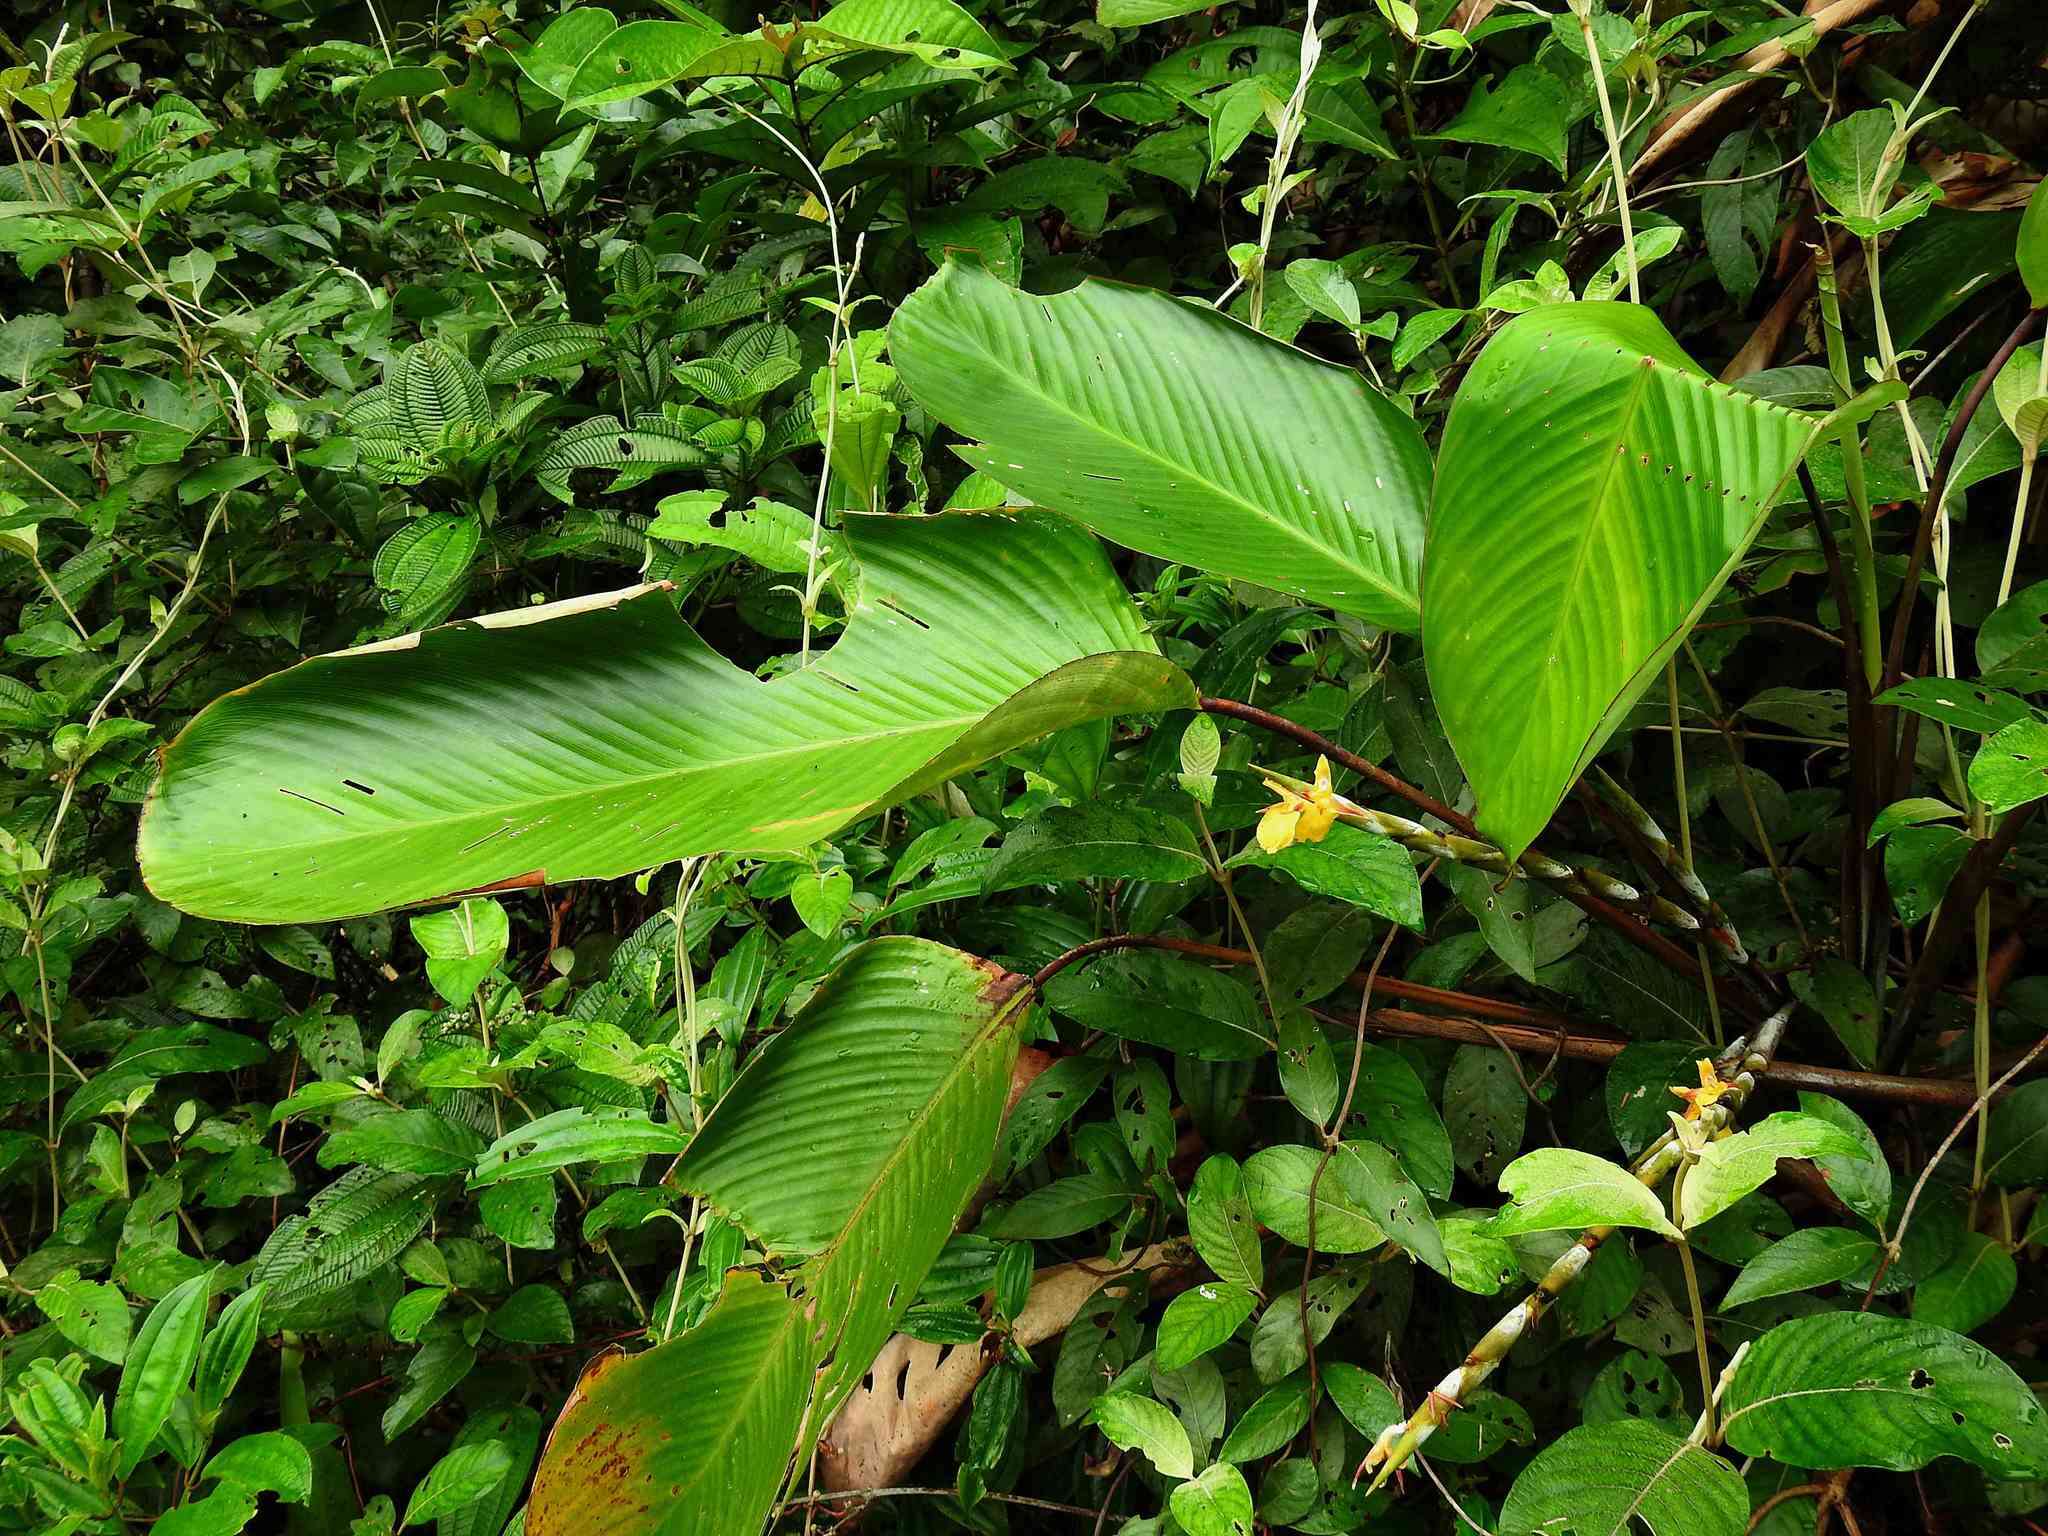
[1558, 1189]
[2021, 399]
[601, 736]
[1176, 431]
[1135, 1423]
[1860, 1389]
[1594, 491]
[159, 1367]
[937, 33]
[463, 945]
[897, 1070]
[1733, 1166]
[1218, 1503]
[1603, 1479]
[1199, 1319]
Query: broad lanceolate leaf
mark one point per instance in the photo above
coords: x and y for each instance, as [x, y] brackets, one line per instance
[1561, 1189]
[1859, 1389]
[1970, 1289]
[1594, 491]
[596, 738]
[1175, 430]
[896, 1071]
[1604, 1479]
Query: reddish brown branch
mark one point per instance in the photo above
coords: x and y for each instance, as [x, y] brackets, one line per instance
[1531, 1031]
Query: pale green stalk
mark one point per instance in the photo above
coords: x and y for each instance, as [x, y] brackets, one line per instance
[1583, 10]
[1862, 548]
[1286, 133]
[1692, 1290]
[1685, 831]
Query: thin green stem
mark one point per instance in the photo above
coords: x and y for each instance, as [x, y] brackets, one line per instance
[1981, 1041]
[2019, 516]
[1862, 547]
[1692, 1295]
[1628, 235]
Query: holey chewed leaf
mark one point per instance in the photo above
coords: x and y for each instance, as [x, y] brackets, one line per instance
[1603, 1479]
[1176, 431]
[600, 737]
[847, 1150]
[1859, 1389]
[1593, 492]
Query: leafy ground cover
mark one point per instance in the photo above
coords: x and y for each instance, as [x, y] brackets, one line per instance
[1019, 767]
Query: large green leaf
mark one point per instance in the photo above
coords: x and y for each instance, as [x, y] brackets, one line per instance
[1177, 431]
[1594, 490]
[1603, 1479]
[897, 1072]
[605, 737]
[1859, 1389]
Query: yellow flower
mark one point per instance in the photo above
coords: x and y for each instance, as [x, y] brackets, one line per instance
[1709, 1092]
[1303, 815]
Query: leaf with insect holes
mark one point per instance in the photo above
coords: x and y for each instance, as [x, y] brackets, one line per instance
[601, 737]
[1600, 1480]
[1861, 1389]
[2011, 769]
